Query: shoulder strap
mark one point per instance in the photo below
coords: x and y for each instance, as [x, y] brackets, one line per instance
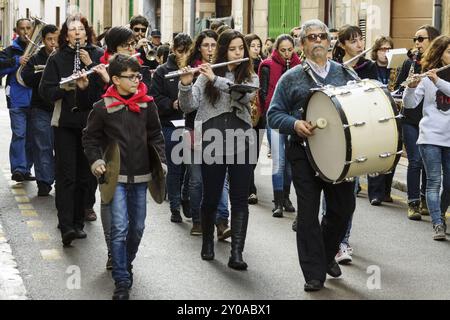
[307, 68]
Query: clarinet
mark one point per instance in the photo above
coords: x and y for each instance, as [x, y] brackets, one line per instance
[288, 64]
[76, 69]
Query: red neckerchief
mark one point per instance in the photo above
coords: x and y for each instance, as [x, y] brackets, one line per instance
[132, 103]
[105, 58]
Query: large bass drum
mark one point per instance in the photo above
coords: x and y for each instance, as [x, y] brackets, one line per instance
[361, 135]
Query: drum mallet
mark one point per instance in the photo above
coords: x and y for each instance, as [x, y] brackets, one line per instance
[321, 123]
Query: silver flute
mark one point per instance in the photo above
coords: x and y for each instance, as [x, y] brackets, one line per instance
[358, 56]
[175, 74]
[75, 77]
[415, 77]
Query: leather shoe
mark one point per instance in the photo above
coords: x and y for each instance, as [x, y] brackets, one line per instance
[68, 237]
[388, 198]
[334, 270]
[18, 176]
[375, 202]
[29, 177]
[121, 292]
[90, 215]
[176, 216]
[313, 285]
[80, 234]
[208, 251]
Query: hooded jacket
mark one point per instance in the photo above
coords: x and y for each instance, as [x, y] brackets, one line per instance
[17, 96]
[71, 107]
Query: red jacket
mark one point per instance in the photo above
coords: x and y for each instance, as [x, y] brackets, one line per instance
[270, 71]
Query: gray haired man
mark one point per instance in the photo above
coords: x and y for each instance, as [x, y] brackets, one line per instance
[317, 244]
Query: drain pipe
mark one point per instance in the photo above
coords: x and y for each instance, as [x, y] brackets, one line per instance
[438, 14]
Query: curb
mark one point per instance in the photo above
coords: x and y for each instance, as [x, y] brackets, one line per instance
[11, 283]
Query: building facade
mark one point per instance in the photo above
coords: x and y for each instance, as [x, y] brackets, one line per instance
[397, 18]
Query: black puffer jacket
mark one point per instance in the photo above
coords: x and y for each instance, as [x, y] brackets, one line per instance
[33, 79]
[165, 92]
[71, 107]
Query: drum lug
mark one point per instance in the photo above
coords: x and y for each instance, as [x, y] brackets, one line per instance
[400, 116]
[374, 175]
[390, 154]
[317, 174]
[344, 93]
[351, 179]
[356, 124]
[358, 160]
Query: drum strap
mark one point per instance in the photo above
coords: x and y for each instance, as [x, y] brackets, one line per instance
[307, 68]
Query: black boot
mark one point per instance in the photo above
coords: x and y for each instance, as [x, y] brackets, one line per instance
[239, 222]
[287, 204]
[278, 200]
[207, 222]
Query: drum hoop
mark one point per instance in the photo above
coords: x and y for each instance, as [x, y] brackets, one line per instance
[396, 113]
[348, 139]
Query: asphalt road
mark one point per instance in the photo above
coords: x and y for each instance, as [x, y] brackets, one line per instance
[394, 258]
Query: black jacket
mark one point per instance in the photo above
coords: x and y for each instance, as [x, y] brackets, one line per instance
[412, 116]
[165, 92]
[133, 132]
[366, 69]
[33, 79]
[71, 107]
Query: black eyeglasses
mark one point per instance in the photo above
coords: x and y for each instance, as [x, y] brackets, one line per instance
[143, 30]
[314, 36]
[420, 39]
[133, 77]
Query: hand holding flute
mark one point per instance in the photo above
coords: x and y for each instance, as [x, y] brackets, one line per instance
[187, 75]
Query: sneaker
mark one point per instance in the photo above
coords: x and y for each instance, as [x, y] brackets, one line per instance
[253, 199]
[343, 257]
[375, 202]
[223, 231]
[350, 250]
[90, 215]
[176, 216]
[414, 211]
[439, 232]
[196, 229]
[423, 207]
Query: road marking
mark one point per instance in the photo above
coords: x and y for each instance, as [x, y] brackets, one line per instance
[19, 192]
[35, 224]
[29, 213]
[22, 199]
[25, 206]
[51, 254]
[40, 236]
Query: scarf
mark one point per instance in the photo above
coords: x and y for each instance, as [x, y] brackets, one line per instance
[132, 103]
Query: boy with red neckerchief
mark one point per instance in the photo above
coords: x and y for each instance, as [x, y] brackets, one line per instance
[127, 116]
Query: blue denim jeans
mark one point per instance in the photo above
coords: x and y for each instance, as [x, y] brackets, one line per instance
[128, 212]
[175, 172]
[415, 165]
[20, 150]
[42, 139]
[437, 162]
[223, 213]
[281, 168]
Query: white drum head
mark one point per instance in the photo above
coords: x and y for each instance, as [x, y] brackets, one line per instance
[328, 145]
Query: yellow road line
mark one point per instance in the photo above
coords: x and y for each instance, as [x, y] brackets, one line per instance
[40, 236]
[25, 206]
[51, 254]
[35, 224]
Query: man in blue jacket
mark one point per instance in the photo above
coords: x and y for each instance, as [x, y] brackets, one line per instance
[18, 99]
